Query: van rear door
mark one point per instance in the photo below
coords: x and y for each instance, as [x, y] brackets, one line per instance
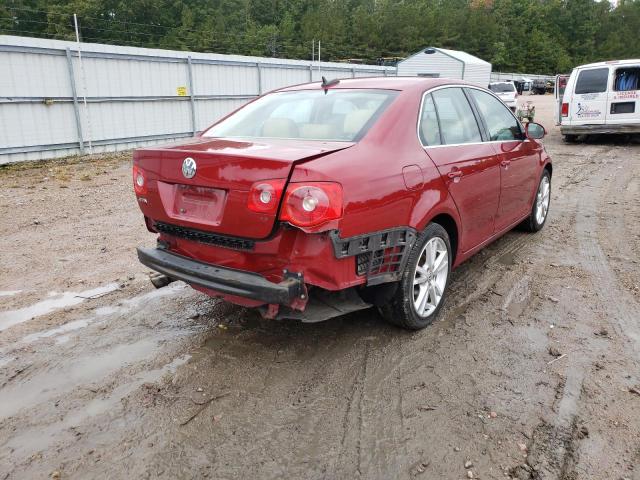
[560, 86]
[588, 102]
[623, 105]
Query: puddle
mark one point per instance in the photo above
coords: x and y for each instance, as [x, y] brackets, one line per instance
[63, 339]
[102, 405]
[130, 303]
[9, 293]
[126, 305]
[509, 258]
[516, 299]
[88, 369]
[29, 441]
[6, 361]
[55, 302]
[67, 327]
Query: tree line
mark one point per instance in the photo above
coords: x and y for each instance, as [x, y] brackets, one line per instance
[533, 36]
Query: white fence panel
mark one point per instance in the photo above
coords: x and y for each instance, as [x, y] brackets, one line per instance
[135, 96]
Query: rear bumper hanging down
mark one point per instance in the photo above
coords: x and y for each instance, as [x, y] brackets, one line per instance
[224, 280]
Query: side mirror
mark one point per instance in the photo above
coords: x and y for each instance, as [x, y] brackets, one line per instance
[534, 131]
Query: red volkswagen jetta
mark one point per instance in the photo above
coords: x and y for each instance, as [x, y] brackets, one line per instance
[319, 199]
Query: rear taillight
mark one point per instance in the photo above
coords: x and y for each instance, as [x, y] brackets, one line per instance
[264, 196]
[139, 181]
[312, 204]
[565, 109]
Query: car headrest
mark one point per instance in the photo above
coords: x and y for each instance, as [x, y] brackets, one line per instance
[354, 121]
[280, 128]
[319, 131]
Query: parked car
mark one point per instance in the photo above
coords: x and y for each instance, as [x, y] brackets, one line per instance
[318, 199]
[601, 98]
[539, 87]
[507, 92]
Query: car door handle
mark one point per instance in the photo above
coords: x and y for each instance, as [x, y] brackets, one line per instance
[454, 174]
[505, 163]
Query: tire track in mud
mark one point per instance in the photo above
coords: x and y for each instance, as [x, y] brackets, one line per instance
[354, 404]
[621, 306]
[373, 428]
[555, 446]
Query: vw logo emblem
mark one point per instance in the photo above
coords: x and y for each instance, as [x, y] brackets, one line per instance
[189, 167]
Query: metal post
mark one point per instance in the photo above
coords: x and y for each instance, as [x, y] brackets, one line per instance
[76, 108]
[353, 72]
[192, 100]
[259, 78]
[311, 72]
[84, 83]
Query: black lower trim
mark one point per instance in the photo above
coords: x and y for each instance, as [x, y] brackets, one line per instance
[381, 256]
[224, 280]
[622, 128]
[201, 236]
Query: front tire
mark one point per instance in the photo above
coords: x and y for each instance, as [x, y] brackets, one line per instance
[540, 209]
[422, 289]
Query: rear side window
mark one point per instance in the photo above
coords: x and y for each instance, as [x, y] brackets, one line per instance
[502, 87]
[429, 128]
[592, 81]
[627, 79]
[457, 121]
[501, 124]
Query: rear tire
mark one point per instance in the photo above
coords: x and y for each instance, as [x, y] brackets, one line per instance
[540, 209]
[422, 289]
[570, 138]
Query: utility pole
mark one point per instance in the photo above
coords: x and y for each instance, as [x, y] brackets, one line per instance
[313, 50]
[84, 83]
[318, 55]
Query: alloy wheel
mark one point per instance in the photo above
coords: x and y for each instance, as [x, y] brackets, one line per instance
[542, 200]
[430, 276]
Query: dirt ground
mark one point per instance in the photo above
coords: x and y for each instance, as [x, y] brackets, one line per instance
[532, 372]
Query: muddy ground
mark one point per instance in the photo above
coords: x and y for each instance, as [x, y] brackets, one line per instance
[532, 372]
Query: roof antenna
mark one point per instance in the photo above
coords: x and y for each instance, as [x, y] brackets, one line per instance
[326, 84]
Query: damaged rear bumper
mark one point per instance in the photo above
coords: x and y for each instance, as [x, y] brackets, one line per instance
[224, 280]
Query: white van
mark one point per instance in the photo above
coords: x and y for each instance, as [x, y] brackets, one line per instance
[601, 98]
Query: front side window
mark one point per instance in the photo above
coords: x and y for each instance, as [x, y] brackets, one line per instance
[592, 81]
[429, 128]
[336, 115]
[457, 121]
[501, 124]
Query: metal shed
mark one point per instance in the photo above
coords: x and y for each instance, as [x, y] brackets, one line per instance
[440, 62]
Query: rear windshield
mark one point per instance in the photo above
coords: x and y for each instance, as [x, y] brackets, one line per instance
[592, 81]
[334, 115]
[502, 87]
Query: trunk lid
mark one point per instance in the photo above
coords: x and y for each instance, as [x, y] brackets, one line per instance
[214, 198]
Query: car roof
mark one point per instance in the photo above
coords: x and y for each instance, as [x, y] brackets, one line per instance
[510, 82]
[611, 63]
[384, 83]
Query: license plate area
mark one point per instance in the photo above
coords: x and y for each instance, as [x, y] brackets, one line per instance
[203, 205]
